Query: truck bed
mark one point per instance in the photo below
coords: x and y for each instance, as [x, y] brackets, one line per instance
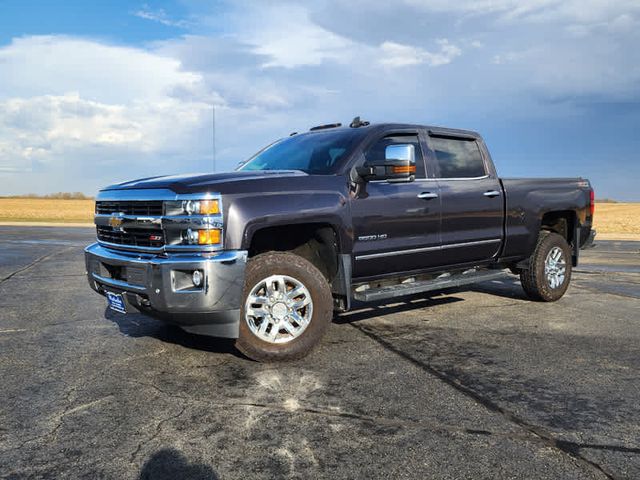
[527, 200]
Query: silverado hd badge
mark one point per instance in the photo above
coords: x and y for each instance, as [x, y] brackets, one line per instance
[368, 238]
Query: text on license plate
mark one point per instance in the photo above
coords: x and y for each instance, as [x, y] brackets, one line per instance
[116, 302]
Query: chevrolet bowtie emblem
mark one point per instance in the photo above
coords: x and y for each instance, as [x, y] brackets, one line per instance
[115, 221]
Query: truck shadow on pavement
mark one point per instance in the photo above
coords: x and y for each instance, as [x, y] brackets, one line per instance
[138, 325]
[364, 311]
[507, 287]
[170, 464]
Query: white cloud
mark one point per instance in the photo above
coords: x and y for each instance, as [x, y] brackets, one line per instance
[76, 101]
[623, 24]
[159, 16]
[287, 37]
[508, 57]
[578, 11]
[546, 49]
[65, 121]
[68, 125]
[56, 65]
[79, 112]
[398, 55]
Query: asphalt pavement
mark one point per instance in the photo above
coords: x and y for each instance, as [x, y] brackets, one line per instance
[478, 383]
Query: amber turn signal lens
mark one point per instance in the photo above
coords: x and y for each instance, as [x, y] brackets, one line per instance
[209, 237]
[209, 207]
[404, 169]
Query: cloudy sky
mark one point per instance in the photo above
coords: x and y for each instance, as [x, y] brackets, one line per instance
[93, 93]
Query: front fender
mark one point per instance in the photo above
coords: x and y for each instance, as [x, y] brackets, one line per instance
[248, 214]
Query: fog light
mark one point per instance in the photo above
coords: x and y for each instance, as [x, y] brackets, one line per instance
[197, 278]
[209, 237]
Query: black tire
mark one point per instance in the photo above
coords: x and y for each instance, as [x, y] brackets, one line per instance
[283, 263]
[534, 280]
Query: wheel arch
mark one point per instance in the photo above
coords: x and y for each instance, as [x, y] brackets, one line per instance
[562, 222]
[317, 242]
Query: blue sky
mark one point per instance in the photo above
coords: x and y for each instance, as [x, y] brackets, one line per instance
[93, 93]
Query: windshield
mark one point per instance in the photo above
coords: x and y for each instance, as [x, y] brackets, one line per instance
[317, 153]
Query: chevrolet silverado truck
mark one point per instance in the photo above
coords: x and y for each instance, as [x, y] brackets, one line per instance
[317, 221]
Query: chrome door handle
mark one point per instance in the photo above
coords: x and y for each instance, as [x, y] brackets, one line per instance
[427, 195]
[491, 193]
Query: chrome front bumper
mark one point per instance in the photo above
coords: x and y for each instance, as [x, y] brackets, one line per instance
[151, 284]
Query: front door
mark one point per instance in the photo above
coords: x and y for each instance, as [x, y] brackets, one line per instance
[396, 225]
[471, 197]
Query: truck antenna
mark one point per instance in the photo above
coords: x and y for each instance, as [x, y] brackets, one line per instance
[213, 134]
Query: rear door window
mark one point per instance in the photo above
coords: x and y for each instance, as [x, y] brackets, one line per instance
[457, 157]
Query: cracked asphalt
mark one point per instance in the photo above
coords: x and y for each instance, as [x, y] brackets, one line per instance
[478, 383]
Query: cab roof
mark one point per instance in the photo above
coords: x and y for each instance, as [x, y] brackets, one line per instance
[382, 127]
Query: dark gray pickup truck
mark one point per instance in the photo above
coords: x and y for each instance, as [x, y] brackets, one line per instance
[318, 220]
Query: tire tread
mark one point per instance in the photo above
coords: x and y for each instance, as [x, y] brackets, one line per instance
[532, 278]
[261, 351]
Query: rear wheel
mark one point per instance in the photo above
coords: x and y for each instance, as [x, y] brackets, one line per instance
[287, 307]
[549, 273]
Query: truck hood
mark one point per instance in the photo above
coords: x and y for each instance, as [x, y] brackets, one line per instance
[203, 182]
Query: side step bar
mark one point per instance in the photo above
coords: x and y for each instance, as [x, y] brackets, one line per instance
[443, 281]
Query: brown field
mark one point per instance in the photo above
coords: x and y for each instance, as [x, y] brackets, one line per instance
[617, 218]
[46, 210]
[609, 217]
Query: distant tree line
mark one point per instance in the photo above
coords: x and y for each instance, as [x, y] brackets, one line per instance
[56, 196]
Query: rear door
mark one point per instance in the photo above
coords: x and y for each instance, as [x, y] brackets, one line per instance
[471, 199]
[396, 224]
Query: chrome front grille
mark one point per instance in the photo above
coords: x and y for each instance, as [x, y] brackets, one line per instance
[135, 237]
[131, 207]
[156, 220]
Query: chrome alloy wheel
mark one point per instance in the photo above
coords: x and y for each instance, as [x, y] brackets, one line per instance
[555, 267]
[278, 309]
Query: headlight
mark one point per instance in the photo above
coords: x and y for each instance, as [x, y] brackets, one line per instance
[201, 207]
[191, 222]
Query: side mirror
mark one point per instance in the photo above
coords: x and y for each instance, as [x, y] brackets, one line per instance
[399, 165]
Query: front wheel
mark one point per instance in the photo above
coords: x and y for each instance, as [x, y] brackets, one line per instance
[287, 307]
[549, 272]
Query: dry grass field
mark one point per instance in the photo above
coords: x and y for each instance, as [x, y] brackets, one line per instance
[46, 210]
[609, 217]
[617, 218]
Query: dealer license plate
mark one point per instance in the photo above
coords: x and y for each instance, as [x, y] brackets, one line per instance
[116, 302]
